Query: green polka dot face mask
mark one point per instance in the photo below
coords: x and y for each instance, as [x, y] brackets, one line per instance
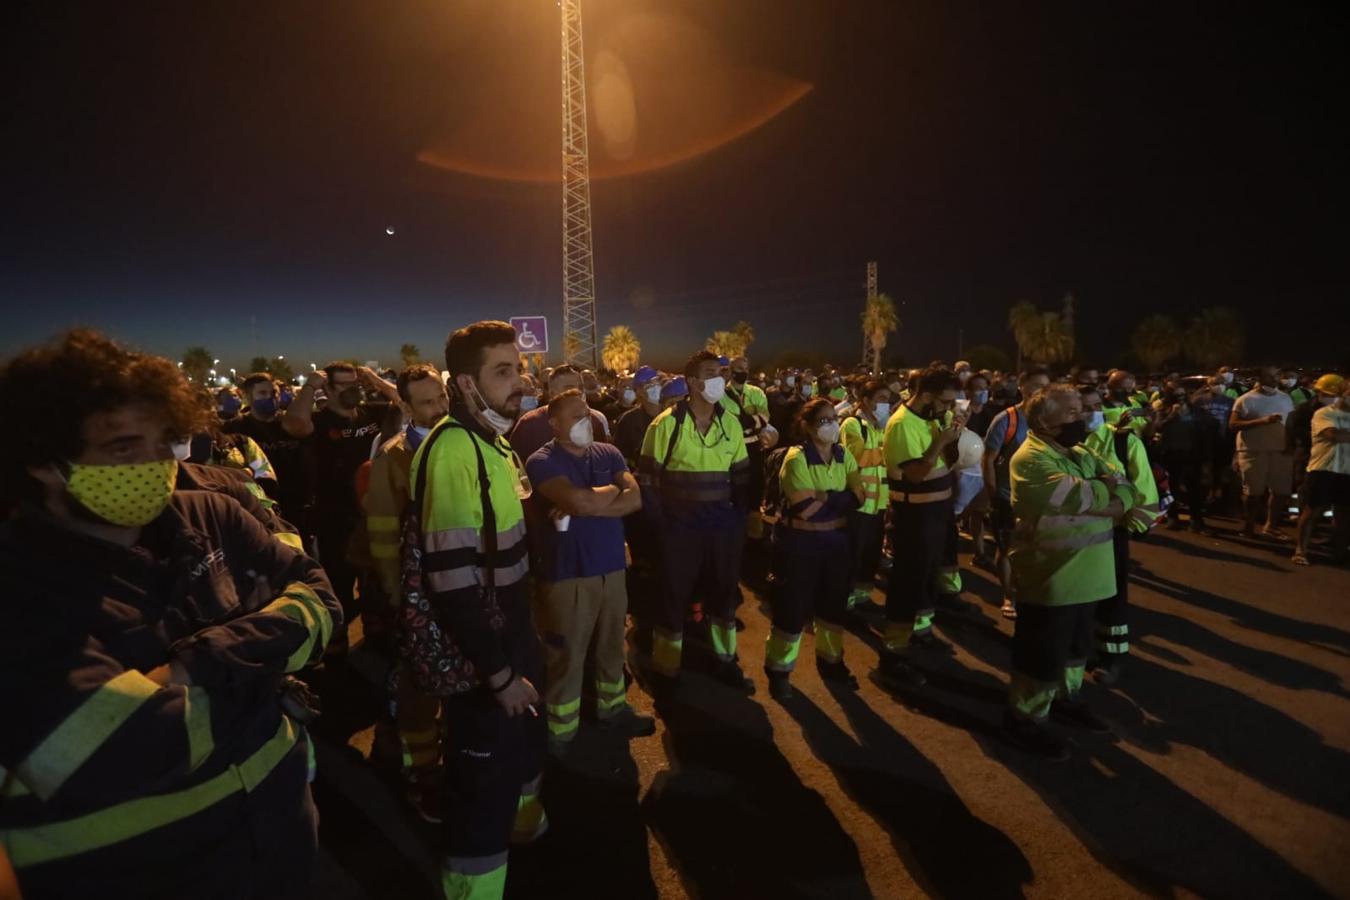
[128, 495]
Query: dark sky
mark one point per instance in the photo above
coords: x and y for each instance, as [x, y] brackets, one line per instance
[174, 169]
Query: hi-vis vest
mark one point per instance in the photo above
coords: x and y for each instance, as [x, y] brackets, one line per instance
[750, 406]
[1060, 555]
[908, 437]
[810, 486]
[1104, 443]
[864, 444]
[695, 468]
[454, 553]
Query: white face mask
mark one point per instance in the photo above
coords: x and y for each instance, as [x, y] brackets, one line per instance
[808, 390]
[528, 402]
[1288, 382]
[582, 433]
[182, 450]
[653, 392]
[1227, 377]
[828, 432]
[1096, 419]
[790, 381]
[629, 396]
[714, 389]
[495, 420]
[883, 412]
[962, 376]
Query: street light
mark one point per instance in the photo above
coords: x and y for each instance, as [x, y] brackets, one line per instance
[215, 362]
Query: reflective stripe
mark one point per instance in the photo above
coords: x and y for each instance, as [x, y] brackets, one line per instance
[382, 524]
[923, 621]
[1073, 676]
[1062, 490]
[899, 496]
[872, 458]
[809, 510]
[290, 539]
[563, 729]
[454, 579]
[895, 637]
[1119, 649]
[949, 580]
[300, 604]
[831, 525]
[1049, 523]
[474, 877]
[380, 550]
[605, 705]
[531, 822]
[829, 641]
[81, 733]
[723, 638]
[1113, 629]
[1076, 542]
[666, 650]
[780, 650]
[1029, 698]
[1086, 497]
[60, 840]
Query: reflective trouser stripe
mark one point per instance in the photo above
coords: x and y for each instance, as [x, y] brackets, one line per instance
[197, 712]
[829, 641]
[780, 650]
[1029, 698]
[474, 877]
[666, 650]
[859, 596]
[421, 749]
[949, 580]
[723, 637]
[80, 734]
[1113, 639]
[564, 718]
[895, 637]
[1073, 677]
[923, 621]
[113, 824]
[531, 822]
[610, 697]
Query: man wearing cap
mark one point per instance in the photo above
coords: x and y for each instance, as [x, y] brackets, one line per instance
[1327, 485]
[632, 425]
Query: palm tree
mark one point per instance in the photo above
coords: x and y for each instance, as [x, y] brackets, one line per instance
[1041, 336]
[745, 333]
[1214, 337]
[621, 349]
[1156, 340]
[879, 319]
[281, 370]
[571, 346]
[726, 343]
[197, 364]
[411, 355]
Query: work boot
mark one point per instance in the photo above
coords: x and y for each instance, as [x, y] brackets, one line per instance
[932, 643]
[1109, 673]
[628, 723]
[780, 687]
[836, 673]
[1034, 737]
[894, 672]
[730, 674]
[1077, 714]
[1009, 609]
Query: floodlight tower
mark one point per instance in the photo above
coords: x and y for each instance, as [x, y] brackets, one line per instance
[579, 326]
[871, 293]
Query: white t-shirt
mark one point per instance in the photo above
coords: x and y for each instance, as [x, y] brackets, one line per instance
[1256, 405]
[1327, 455]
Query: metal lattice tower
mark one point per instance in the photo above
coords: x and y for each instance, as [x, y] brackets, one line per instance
[579, 326]
[871, 292]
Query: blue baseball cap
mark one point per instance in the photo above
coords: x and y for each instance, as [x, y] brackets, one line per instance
[644, 375]
[676, 387]
[723, 361]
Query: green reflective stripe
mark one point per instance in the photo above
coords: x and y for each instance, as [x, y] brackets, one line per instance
[895, 637]
[489, 884]
[780, 650]
[300, 604]
[59, 840]
[383, 524]
[666, 650]
[829, 641]
[290, 539]
[197, 713]
[81, 733]
[949, 580]
[1073, 677]
[1119, 649]
[570, 708]
[861, 595]
[723, 637]
[531, 822]
[1030, 698]
[562, 729]
[471, 576]
[923, 621]
[1113, 629]
[605, 705]
[611, 688]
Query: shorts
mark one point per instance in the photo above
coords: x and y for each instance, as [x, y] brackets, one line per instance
[1322, 489]
[1001, 522]
[1264, 470]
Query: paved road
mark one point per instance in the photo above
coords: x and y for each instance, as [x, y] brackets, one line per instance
[1228, 775]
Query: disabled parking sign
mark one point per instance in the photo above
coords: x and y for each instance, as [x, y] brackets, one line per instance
[531, 333]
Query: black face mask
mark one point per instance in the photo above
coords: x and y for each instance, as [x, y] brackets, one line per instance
[1072, 433]
[740, 377]
[928, 412]
[350, 397]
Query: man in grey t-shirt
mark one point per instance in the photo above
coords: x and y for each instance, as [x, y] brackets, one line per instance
[1264, 457]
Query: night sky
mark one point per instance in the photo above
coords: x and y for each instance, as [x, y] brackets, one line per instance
[178, 171]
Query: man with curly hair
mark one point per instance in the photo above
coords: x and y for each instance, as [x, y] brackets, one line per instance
[156, 748]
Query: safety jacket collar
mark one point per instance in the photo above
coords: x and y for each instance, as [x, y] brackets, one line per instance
[460, 413]
[813, 455]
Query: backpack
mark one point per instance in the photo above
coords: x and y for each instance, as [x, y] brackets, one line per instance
[435, 662]
[771, 507]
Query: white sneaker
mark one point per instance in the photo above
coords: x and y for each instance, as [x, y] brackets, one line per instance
[1009, 609]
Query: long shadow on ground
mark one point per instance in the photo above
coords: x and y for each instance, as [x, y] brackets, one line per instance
[732, 813]
[932, 829]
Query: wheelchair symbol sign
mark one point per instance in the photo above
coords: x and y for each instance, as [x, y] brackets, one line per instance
[531, 333]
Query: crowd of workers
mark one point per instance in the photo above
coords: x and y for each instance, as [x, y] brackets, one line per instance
[180, 566]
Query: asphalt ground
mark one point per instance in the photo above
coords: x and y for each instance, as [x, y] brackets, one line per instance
[1227, 773]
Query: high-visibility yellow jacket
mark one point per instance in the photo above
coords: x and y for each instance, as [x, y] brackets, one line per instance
[819, 493]
[699, 478]
[454, 554]
[750, 405]
[1060, 555]
[385, 501]
[908, 437]
[1135, 467]
[864, 442]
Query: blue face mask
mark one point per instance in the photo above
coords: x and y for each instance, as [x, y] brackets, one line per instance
[1096, 419]
[414, 435]
[285, 399]
[981, 397]
[266, 407]
[229, 406]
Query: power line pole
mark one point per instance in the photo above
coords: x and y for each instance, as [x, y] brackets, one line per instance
[579, 326]
[871, 294]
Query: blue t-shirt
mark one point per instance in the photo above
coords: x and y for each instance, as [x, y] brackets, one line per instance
[591, 545]
[993, 440]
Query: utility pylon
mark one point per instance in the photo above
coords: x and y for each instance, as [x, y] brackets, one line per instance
[871, 293]
[580, 343]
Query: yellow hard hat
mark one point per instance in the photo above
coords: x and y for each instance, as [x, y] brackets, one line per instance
[1330, 383]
